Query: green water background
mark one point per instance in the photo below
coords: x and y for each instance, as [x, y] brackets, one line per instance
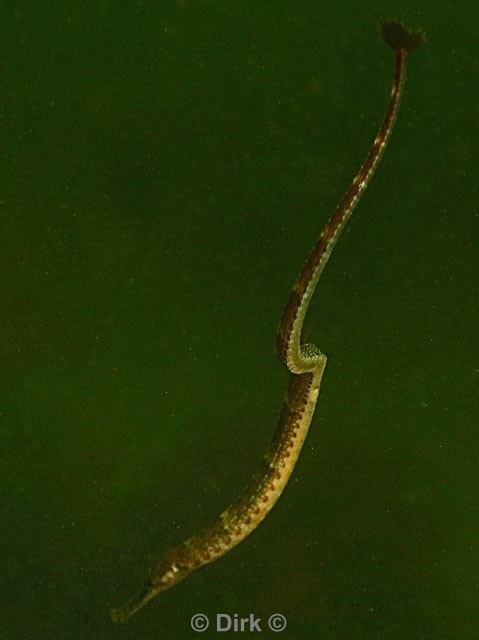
[166, 167]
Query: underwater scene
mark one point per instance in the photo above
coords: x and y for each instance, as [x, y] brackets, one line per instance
[169, 174]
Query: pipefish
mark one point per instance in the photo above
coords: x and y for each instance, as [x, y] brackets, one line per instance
[306, 364]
